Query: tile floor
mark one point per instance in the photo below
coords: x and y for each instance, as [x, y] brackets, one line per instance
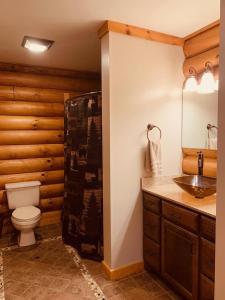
[54, 271]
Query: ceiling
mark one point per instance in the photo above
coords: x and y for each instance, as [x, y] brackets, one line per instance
[73, 25]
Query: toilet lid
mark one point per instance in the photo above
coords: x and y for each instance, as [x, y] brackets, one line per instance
[26, 213]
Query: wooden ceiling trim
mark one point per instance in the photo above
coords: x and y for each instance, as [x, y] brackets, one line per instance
[203, 29]
[139, 32]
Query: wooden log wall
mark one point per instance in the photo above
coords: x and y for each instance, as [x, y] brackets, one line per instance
[31, 130]
[202, 46]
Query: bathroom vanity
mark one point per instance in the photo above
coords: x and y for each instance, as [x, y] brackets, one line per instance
[179, 238]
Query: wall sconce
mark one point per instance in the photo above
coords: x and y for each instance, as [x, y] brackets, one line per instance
[207, 82]
[191, 84]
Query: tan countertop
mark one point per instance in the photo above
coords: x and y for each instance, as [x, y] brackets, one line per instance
[165, 188]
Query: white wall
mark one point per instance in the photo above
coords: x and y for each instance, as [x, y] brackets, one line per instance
[142, 83]
[220, 204]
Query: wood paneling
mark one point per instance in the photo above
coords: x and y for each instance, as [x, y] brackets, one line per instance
[139, 32]
[48, 71]
[22, 108]
[31, 151]
[32, 129]
[46, 81]
[17, 166]
[28, 137]
[30, 123]
[46, 177]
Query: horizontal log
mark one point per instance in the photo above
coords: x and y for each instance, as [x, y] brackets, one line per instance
[202, 42]
[46, 81]
[198, 61]
[51, 190]
[47, 71]
[22, 108]
[48, 177]
[31, 151]
[51, 204]
[28, 137]
[18, 166]
[52, 217]
[31, 123]
[34, 94]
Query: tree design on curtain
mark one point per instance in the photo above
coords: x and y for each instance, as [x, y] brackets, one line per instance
[82, 213]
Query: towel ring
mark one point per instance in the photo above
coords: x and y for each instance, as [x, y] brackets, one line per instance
[150, 127]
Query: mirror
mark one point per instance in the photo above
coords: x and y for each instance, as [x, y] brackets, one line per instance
[199, 128]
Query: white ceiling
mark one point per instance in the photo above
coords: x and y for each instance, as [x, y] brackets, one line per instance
[73, 25]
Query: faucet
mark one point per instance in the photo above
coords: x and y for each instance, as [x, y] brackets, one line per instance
[200, 163]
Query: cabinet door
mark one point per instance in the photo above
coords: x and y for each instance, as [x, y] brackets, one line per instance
[180, 259]
[206, 288]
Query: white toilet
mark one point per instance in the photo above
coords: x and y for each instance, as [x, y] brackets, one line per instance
[23, 197]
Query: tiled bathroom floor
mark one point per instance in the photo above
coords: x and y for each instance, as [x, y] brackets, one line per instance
[52, 271]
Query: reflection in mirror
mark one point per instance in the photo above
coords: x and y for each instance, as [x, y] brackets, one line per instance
[199, 120]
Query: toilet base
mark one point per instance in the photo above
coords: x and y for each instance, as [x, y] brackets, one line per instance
[26, 238]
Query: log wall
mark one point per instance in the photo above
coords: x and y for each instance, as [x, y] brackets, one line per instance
[31, 130]
[202, 46]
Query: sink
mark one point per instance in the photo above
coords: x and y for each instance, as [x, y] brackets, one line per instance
[196, 185]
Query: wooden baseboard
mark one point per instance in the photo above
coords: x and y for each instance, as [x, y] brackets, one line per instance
[124, 271]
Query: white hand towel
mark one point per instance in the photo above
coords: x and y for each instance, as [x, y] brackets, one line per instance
[212, 143]
[153, 158]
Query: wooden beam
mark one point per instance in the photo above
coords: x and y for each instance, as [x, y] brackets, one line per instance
[139, 32]
[49, 82]
[11, 67]
[31, 137]
[205, 28]
[202, 42]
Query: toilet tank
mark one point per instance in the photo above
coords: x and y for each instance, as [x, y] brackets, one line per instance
[23, 194]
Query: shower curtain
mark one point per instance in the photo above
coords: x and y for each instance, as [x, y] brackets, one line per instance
[82, 211]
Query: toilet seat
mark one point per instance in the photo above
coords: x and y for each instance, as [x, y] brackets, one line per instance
[26, 214]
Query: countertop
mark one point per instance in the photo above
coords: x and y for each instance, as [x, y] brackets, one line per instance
[165, 188]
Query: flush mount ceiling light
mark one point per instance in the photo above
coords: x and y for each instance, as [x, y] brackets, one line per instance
[36, 44]
[191, 83]
[207, 83]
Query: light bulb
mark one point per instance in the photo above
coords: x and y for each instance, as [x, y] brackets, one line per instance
[191, 84]
[35, 47]
[207, 83]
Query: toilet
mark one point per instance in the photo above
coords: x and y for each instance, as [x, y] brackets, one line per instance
[23, 197]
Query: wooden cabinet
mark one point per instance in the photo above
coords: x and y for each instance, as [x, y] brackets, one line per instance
[180, 259]
[179, 246]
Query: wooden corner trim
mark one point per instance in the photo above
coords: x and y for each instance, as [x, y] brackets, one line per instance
[201, 30]
[123, 271]
[140, 33]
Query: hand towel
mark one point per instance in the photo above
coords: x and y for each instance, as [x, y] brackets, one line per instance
[212, 143]
[153, 158]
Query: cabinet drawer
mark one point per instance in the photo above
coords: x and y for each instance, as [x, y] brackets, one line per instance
[151, 203]
[206, 288]
[151, 255]
[151, 224]
[208, 228]
[180, 216]
[207, 256]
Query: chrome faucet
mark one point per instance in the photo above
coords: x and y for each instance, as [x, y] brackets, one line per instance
[200, 163]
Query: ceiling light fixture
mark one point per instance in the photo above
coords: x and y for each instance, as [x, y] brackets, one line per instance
[36, 44]
[191, 83]
[207, 83]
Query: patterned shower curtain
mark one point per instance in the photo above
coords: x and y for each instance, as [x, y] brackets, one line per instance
[82, 212]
